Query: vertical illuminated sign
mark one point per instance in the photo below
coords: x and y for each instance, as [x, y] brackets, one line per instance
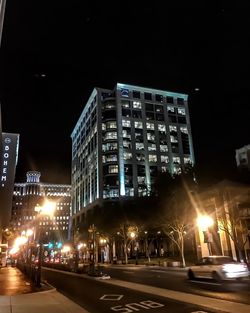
[10, 144]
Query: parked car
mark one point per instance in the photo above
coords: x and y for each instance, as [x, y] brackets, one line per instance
[219, 268]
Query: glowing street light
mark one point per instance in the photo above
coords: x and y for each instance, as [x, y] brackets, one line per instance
[204, 222]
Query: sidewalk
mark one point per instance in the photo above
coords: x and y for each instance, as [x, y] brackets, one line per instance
[17, 295]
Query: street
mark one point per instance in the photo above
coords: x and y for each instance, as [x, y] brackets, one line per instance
[137, 289]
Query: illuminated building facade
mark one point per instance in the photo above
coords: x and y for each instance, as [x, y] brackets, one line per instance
[28, 195]
[123, 138]
[242, 156]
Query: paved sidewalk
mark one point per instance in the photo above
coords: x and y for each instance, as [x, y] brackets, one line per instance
[18, 295]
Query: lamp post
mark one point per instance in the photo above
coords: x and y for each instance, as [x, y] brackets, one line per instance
[204, 222]
[47, 209]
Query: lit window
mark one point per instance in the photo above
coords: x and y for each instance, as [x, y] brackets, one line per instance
[152, 158]
[141, 179]
[176, 160]
[138, 125]
[170, 109]
[126, 123]
[127, 156]
[173, 139]
[164, 159]
[164, 169]
[150, 136]
[110, 135]
[126, 133]
[150, 126]
[181, 111]
[111, 124]
[113, 169]
[163, 148]
[126, 144]
[184, 130]
[139, 146]
[136, 104]
[111, 158]
[151, 147]
[161, 127]
[187, 161]
[172, 128]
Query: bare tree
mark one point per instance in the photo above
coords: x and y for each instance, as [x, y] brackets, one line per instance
[231, 222]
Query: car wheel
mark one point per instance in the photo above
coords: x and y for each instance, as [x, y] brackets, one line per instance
[191, 275]
[216, 277]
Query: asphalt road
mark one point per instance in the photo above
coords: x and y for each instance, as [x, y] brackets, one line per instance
[97, 296]
[177, 280]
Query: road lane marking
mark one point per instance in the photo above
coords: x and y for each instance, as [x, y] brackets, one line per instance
[201, 301]
[111, 297]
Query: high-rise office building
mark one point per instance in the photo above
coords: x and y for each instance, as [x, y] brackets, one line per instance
[242, 157]
[28, 195]
[123, 138]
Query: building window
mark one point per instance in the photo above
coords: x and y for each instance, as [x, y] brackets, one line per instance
[126, 123]
[151, 136]
[163, 148]
[129, 192]
[152, 158]
[158, 108]
[158, 98]
[125, 104]
[111, 158]
[109, 146]
[126, 144]
[127, 156]
[170, 100]
[181, 111]
[173, 139]
[184, 130]
[140, 157]
[126, 133]
[110, 135]
[150, 126]
[164, 169]
[164, 159]
[180, 101]
[139, 146]
[171, 109]
[113, 169]
[151, 147]
[149, 107]
[136, 94]
[176, 160]
[162, 128]
[111, 125]
[138, 125]
[137, 104]
[141, 180]
[147, 96]
[112, 193]
[172, 128]
[187, 160]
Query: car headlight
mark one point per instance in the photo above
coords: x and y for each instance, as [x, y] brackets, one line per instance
[232, 268]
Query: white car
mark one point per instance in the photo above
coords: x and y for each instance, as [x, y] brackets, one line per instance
[219, 268]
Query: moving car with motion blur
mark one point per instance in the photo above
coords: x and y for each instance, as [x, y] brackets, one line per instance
[219, 268]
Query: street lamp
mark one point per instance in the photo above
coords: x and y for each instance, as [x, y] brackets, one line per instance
[47, 209]
[204, 222]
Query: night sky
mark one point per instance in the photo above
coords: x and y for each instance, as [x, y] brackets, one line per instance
[54, 53]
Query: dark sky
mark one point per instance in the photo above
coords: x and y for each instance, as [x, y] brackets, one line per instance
[78, 45]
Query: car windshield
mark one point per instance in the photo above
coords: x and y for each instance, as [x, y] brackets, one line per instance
[224, 260]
